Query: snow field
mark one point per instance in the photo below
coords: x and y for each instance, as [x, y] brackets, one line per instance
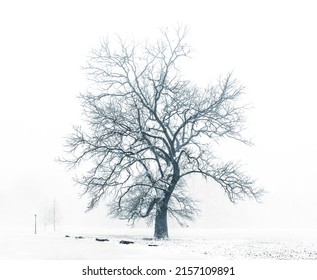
[183, 244]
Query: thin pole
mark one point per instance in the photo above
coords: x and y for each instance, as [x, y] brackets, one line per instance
[35, 223]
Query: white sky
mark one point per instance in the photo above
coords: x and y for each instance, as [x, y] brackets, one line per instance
[270, 45]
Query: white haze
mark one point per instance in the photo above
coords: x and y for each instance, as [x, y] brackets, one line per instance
[270, 46]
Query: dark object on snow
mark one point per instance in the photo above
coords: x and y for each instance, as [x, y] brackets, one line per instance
[79, 237]
[153, 245]
[102, 239]
[67, 236]
[126, 242]
[147, 239]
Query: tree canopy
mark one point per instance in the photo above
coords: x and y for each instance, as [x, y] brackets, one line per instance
[148, 128]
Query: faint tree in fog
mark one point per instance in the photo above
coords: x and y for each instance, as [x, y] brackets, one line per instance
[51, 216]
[148, 129]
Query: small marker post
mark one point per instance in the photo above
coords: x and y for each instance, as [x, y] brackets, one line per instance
[35, 224]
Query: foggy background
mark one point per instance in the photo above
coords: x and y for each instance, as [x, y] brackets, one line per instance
[269, 46]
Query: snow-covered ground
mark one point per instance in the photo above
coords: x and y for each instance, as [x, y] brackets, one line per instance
[183, 244]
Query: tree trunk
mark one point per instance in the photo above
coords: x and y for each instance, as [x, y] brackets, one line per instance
[161, 229]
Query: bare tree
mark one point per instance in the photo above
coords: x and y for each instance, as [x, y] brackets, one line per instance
[50, 215]
[148, 129]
